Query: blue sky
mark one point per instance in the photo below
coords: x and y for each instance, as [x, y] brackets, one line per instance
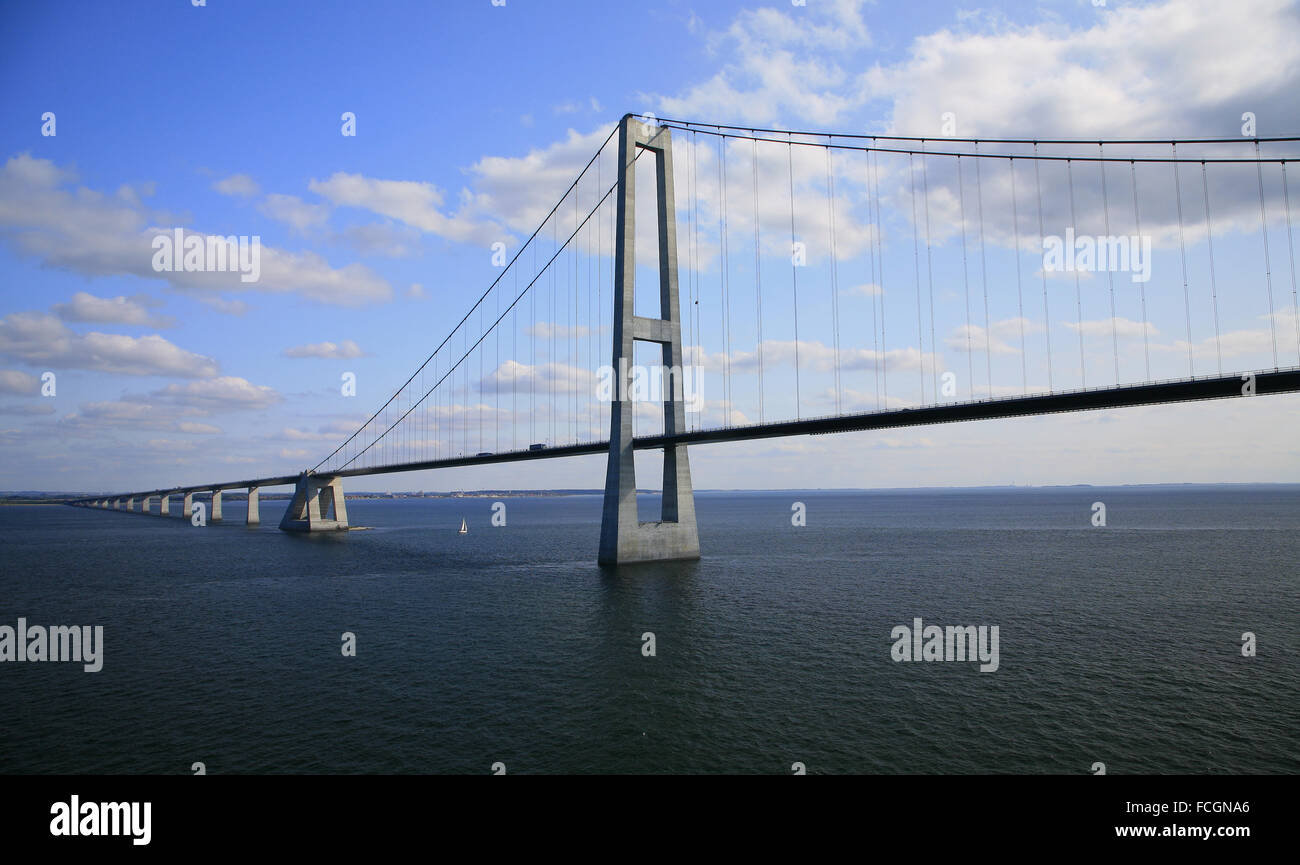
[472, 119]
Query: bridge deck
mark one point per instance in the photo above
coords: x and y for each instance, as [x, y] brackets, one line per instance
[1179, 390]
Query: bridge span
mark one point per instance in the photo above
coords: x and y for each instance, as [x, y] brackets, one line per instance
[856, 203]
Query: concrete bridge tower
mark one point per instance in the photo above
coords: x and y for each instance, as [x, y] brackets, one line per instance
[623, 537]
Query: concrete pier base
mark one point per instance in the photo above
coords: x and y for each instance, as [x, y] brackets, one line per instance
[215, 516]
[623, 537]
[130, 504]
[254, 511]
[164, 505]
[187, 506]
[317, 506]
[146, 506]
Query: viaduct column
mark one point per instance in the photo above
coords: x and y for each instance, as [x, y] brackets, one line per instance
[215, 516]
[254, 512]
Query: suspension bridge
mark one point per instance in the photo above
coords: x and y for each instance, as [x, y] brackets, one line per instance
[816, 283]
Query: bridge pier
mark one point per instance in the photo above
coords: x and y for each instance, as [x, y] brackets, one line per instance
[164, 505]
[215, 516]
[187, 506]
[147, 505]
[254, 511]
[317, 506]
[624, 539]
[130, 504]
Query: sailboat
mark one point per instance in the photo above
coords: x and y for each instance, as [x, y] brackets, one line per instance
[464, 529]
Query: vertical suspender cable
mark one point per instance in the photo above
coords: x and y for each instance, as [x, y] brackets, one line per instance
[916, 267]
[555, 321]
[871, 251]
[1290, 245]
[722, 284]
[1047, 318]
[1020, 293]
[929, 270]
[1078, 291]
[835, 274]
[965, 274]
[532, 368]
[880, 254]
[574, 375]
[758, 277]
[1142, 289]
[695, 243]
[1182, 246]
[984, 272]
[1214, 288]
[794, 277]
[1110, 265]
[514, 377]
[1268, 269]
[692, 309]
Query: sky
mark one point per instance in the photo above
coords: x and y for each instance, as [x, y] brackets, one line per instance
[472, 119]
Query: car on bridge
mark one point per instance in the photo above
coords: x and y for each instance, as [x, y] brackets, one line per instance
[537, 447]
[483, 454]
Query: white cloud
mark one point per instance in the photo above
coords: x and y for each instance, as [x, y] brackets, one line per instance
[794, 63]
[37, 408]
[344, 350]
[111, 310]
[84, 231]
[294, 212]
[19, 383]
[1119, 326]
[520, 191]
[547, 330]
[999, 333]
[224, 305]
[196, 428]
[334, 431]
[386, 239]
[415, 203]
[779, 355]
[513, 376]
[42, 339]
[240, 185]
[226, 393]
[1199, 61]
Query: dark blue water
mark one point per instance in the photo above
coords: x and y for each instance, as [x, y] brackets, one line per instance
[1118, 645]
